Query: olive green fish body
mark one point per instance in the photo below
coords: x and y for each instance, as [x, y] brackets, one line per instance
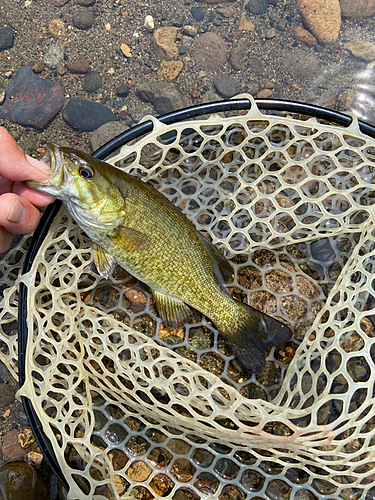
[133, 224]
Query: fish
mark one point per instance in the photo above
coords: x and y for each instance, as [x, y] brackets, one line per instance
[135, 226]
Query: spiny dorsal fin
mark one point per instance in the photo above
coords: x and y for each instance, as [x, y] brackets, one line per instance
[225, 268]
[103, 261]
[129, 239]
[174, 313]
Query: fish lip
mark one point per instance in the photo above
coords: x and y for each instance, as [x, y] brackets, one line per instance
[52, 158]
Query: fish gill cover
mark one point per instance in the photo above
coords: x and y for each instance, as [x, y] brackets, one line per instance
[137, 410]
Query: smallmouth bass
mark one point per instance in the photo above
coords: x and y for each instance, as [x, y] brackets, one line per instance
[134, 225]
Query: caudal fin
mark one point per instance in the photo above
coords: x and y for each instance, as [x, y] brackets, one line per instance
[252, 335]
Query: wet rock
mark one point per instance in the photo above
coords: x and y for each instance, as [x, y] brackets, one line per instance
[122, 90]
[39, 66]
[246, 25]
[20, 480]
[256, 66]
[32, 101]
[257, 6]
[92, 81]
[165, 39]
[165, 97]
[6, 38]
[264, 94]
[190, 30]
[226, 11]
[301, 64]
[86, 3]
[105, 133]
[169, 70]
[361, 49]
[226, 85]
[305, 36]
[53, 57]
[357, 9]
[87, 115]
[210, 51]
[138, 112]
[83, 19]
[252, 87]
[197, 13]
[80, 66]
[11, 449]
[57, 27]
[237, 56]
[7, 396]
[322, 18]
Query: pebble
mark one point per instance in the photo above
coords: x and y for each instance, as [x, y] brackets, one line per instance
[86, 3]
[257, 6]
[92, 81]
[301, 64]
[210, 51]
[256, 66]
[357, 9]
[2, 95]
[6, 38]
[226, 85]
[264, 94]
[322, 18]
[32, 101]
[182, 50]
[246, 25]
[165, 97]
[305, 36]
[20, 480]
[197, 13]
[79, 67]
[237, 56]
[57, 27]
[122, 90]
[252, 87]
[226, 11]
[271, 33]
[53, 57]
[87, 115]
[149, 24]
[165, 39]
[190, 30]
[105, 133]
[169, 70]
[361, 49]
[39, 66]
[84, 18]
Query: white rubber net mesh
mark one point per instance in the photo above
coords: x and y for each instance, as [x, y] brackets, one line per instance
[136, 410]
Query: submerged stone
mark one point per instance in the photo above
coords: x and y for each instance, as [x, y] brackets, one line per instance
[87, 115]
[32, 101]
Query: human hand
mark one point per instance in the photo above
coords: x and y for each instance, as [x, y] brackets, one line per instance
[18, 202]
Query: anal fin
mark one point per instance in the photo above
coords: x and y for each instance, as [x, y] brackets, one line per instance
[174, 313]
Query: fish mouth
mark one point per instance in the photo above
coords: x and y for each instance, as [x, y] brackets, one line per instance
[54, 184]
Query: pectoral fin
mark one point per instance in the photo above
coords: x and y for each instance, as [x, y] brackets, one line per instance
[174, 313]
[129, 239]
[104, 261]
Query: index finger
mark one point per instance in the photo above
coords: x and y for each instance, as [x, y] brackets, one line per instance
[15, 164]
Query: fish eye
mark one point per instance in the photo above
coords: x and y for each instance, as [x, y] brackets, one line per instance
[86, 172]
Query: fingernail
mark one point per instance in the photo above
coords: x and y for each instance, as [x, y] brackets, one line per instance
[38, 164]
[17, 213]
